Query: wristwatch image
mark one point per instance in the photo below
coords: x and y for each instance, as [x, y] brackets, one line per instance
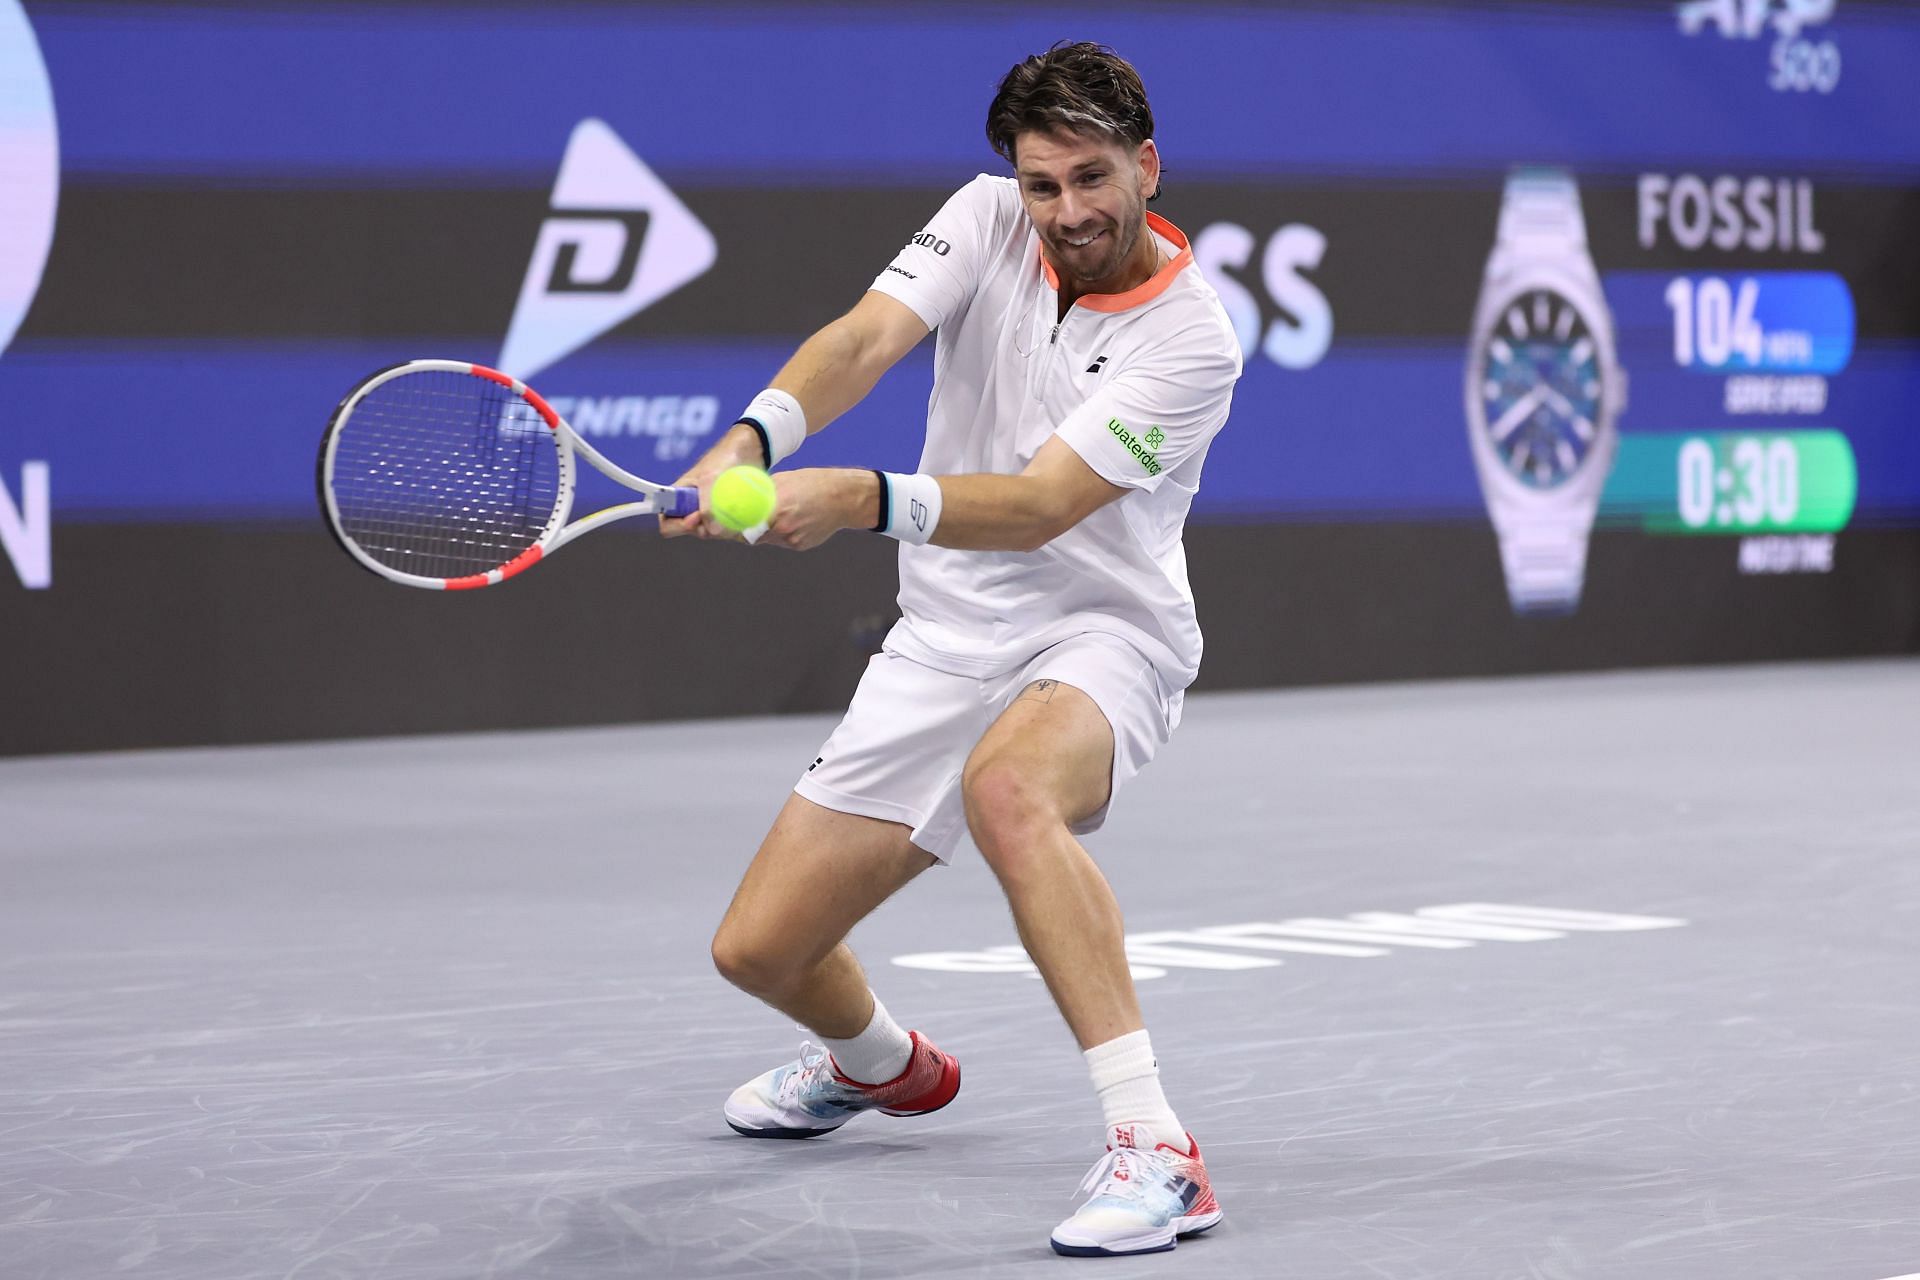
[1543, 389]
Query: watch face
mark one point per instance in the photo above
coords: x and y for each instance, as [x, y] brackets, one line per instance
[1540, 388]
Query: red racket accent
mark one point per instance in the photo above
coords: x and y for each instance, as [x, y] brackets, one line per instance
[526, 559]
[539, 402]
[531, 556]
[492, 375]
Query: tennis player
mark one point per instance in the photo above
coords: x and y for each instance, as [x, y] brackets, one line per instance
[1047, 631]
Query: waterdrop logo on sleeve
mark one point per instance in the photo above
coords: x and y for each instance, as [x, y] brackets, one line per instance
[29, 196]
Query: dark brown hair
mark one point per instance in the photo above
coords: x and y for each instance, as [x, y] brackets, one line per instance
[1082, 88]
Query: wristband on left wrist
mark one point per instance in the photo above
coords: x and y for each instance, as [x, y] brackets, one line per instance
[909, 507]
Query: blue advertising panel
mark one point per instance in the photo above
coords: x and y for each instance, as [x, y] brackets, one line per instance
[879, 96]
[258, 205]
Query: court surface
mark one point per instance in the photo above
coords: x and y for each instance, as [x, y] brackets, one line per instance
[442, 1007]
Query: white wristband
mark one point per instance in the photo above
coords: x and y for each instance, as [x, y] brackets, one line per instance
[781, 421]
[909, 507]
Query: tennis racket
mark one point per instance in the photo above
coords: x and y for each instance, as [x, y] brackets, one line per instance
[448, 475]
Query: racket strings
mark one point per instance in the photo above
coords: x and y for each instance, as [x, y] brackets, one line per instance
[443, 474]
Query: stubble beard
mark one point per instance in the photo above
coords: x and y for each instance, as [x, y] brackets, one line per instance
[1126, 238]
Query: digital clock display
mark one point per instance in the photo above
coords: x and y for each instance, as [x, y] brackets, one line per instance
[1732, 482]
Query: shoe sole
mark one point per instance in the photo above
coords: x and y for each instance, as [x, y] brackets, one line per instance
[779, 1133]
[1095, 1251]
[1198, 1223]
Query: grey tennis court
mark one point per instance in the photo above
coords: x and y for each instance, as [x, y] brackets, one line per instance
[1594, 976]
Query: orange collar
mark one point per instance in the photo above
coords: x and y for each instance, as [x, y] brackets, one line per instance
[1155, 285]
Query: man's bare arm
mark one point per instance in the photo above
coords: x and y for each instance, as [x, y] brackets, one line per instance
[830, 373]
[836, 368]
[978, 512]
[1025, 512]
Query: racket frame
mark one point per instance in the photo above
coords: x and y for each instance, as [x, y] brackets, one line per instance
[655, 500]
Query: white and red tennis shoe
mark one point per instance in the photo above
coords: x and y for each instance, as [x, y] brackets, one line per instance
[809, 1097]
[1146, 1194]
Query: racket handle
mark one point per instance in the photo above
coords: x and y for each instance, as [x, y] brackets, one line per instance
[682, 502]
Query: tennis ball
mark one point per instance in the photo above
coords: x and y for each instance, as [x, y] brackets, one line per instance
[742, 498]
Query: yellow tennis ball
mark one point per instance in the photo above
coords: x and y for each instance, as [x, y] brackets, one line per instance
[742, 497]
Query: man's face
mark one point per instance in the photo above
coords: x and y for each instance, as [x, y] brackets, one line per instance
[1087, 196]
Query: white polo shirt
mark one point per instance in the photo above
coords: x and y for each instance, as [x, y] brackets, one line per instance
[1137, 383]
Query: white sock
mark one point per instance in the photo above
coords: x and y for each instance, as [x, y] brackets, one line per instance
[1127, 1079]
[877, 1054]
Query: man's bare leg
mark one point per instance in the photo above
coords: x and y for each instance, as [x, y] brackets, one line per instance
[1047, 763]
[817, 874]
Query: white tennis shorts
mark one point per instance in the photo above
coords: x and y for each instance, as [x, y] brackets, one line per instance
[900, 749]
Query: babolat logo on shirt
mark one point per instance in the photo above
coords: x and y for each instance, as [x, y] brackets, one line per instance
[1144, 452]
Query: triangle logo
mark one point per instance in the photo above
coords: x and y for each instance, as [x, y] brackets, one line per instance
[616, 241]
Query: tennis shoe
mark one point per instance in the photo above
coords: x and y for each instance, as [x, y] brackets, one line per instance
[809, 1097]
[1144, 1198]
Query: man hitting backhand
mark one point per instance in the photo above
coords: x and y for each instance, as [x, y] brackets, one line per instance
[1047, 632]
